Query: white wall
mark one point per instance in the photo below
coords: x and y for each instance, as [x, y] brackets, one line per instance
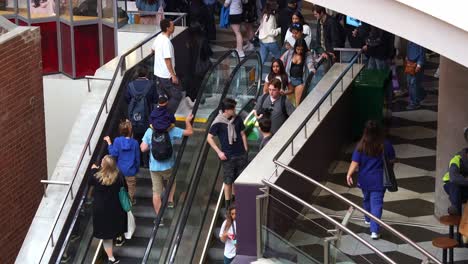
[62, 101]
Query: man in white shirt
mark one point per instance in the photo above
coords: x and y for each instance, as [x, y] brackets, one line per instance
[164, 65]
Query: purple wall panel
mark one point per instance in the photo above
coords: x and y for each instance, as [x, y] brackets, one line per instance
[246, 218]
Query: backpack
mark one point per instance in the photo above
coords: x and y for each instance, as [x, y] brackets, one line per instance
[283, 106]
[161, 145]
[138, 111]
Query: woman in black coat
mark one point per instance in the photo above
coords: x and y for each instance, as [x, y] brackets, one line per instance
[109, 219]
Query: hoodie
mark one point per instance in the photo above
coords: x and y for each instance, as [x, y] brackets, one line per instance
[127, 153]
[161, 119]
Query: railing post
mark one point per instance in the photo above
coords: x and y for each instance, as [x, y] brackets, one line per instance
[305, 130]
[124, 66]
[89, 149]
[342, 88]
[318, 114]
[89, 87]
[45, 190]
[52, 239]
[259, 227]
[331, 98]
[292, 147]
[326, 251]
[107, 111]
[71, 192]
[141, 51]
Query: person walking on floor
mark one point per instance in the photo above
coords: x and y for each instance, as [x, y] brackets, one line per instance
[109, 219]
[414, 69]
[235, 19]
[229, 128]
[267, 35]
[127, 152]
[228, 235]
[369, 158]
[164, 66]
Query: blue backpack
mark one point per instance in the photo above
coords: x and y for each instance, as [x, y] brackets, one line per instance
[138, 111]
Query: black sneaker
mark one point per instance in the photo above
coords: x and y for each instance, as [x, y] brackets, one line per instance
[116, 260]
[119, 241]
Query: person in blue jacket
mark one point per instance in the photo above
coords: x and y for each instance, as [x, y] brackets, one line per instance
[417, 54]
[368, 158]
[126, 151]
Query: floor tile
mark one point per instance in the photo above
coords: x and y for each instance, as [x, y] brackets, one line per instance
[404, 151]
[418, 184]
[417, 115]
[410, 207]
[406, 171]
[426, 163]
[413, 132]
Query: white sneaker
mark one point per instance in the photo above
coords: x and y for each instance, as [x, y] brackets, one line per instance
[366, 222]
[241, 53]
[248, 47]
[375, 236]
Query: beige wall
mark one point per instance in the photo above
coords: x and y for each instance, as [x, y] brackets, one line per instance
[452, 118]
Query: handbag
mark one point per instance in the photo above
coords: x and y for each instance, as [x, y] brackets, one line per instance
[410, 67]
[124, 198]
[131, 225]
[389, 179]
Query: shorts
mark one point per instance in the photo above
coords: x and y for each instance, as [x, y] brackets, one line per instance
[235, 19]
[157, 178]
[233, 167]
[295, 81]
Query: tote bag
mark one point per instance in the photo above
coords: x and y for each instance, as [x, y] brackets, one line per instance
[389, 179]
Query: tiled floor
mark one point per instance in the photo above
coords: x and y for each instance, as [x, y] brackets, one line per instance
[413, 134]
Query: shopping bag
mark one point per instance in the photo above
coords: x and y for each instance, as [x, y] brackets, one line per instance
[130, 225]
[389, 179]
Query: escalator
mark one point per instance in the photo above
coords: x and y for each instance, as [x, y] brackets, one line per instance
[181, 241]
[79, 246]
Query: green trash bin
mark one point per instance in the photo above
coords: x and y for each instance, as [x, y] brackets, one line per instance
[368, 98]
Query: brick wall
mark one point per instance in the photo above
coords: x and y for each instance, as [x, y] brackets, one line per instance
[23, 161]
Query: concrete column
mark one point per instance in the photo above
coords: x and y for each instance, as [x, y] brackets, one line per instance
[452, 118]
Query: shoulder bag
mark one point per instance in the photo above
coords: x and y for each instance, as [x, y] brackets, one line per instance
[389, 179]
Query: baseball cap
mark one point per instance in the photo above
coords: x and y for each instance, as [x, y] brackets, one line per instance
[296, 26]
[162, 99]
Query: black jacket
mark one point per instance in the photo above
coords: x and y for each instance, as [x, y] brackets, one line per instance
[380, 44]
[284, 20]
[334, 36]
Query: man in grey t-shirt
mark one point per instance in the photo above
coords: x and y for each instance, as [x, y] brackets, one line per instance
[275, 106]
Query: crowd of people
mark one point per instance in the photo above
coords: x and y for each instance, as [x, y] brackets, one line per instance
[149, 132]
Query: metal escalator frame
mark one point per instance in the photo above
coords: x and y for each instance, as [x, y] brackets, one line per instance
[121, 67]
[331, 220]
[317, 184]
[176, 238]
[165, 199]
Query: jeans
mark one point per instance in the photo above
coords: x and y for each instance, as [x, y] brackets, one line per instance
[266, 48]
[415, 89]
[377, 64]
[228, 260]
[296, 81]
[457, 194]
[172, 91]
[373, 203]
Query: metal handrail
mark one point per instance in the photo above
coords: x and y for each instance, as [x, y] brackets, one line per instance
[329, 219]
[87, 145]
[316, 108]
[360, 209]
[155, 229]
[297, 131]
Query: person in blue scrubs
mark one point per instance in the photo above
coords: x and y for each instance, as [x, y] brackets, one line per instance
[368, 161]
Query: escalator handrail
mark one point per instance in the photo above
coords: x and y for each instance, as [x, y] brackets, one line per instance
[331, 220]
[87, 146]
[182, 221]
[164, 201]
[337, 195]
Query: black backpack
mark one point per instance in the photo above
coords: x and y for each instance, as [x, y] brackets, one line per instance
[267, 112]
[138, 111]
[161, 145]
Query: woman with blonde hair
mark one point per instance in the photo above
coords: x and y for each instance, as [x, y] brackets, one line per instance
[127, 152]
[109, 219]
